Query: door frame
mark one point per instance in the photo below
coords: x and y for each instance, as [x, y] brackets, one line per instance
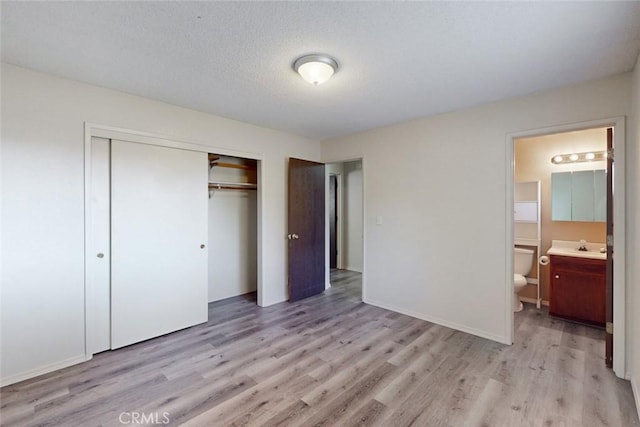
[619, 216]
[110, 132]
[360, 159]
[339, 236]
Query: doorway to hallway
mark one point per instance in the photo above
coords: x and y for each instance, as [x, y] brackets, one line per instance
[345, 219]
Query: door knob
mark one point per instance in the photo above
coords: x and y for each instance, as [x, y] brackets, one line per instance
[100, 255]
[289, 236]
[202, 246]
[557, 276]
[295, 237]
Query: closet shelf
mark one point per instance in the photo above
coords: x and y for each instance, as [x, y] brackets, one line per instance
[231, 165]
[232, 185]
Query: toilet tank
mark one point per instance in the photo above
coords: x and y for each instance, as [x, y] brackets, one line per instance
[522, 261]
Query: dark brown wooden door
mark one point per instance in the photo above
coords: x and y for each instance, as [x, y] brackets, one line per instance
[306, 234]
[333, 221]
[609, 288]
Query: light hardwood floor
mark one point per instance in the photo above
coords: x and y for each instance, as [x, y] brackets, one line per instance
[332, 360]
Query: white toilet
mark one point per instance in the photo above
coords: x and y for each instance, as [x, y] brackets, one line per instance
[522, 262]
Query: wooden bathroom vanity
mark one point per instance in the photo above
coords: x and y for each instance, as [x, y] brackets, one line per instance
[578, 289]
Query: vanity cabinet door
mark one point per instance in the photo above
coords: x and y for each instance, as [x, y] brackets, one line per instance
[578, 289]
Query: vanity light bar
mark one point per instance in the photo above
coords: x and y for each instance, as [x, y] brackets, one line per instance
[591, 156]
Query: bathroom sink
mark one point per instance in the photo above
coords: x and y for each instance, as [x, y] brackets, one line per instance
[570, 248]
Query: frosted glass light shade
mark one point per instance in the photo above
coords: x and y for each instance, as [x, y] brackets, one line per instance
[315, 72]
[316, 69]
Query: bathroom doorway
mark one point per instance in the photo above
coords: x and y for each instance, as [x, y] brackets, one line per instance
[573, 152]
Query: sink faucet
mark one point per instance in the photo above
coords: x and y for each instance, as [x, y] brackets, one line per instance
[583, 246]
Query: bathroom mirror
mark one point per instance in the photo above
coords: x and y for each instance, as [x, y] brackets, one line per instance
[579, 196]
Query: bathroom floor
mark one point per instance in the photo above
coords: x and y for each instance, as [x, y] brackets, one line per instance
[531, 314]
[537, 331]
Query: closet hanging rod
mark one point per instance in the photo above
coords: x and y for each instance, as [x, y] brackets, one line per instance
[232, 186]
[222, 187]
[238, 184]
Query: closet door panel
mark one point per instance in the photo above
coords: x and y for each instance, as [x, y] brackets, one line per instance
[98, 265]
[158, 224]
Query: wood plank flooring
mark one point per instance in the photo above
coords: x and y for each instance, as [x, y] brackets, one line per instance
[333, 360]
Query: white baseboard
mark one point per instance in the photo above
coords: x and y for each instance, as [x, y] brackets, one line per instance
[357, 270]
[636, 393]
[12, 379]
[452, 325]
[533, 301]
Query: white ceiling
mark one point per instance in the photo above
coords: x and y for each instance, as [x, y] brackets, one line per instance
[398, 60]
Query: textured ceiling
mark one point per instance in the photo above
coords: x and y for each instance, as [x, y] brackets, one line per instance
[398, 60]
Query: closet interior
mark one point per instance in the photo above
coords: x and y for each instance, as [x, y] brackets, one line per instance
[233, 182]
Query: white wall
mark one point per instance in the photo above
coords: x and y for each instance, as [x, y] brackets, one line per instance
[633, 230]
[43, 204]
[440, 253]
[232, 237]
[352, 216]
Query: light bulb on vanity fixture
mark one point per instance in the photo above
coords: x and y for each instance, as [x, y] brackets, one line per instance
[591, 156]
[315, 69]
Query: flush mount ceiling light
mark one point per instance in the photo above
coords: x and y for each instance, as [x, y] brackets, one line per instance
[591, 156]
[316, 69]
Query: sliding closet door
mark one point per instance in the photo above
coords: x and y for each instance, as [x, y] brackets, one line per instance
[158, 232]
[98, 248]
